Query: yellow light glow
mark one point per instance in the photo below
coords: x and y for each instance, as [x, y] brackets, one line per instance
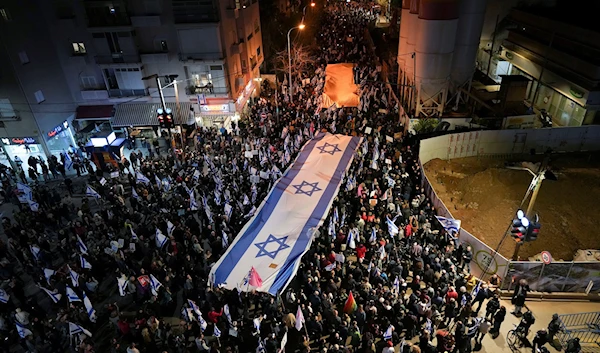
[312, 4]
[302, 25]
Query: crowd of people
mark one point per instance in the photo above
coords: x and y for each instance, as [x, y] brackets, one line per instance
[112, 273]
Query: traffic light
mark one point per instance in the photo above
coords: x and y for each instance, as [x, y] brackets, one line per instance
[519, 227]
[533, 230]
[169, 119]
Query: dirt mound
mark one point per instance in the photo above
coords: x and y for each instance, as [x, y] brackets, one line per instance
[485, 195]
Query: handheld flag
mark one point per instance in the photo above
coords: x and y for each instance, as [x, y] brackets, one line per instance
[227, 314]
[350, 305]
[170, 228]
[48, 273]
[141, 178]
[133, 235]
[122, 284]
[81, 245]
[154, 284]
[92, 193]
[75, 329]
[224, 240]
[217, 332]
[89, 308]
[54, 295]
[351, 242]
[256, 323]
[4, 297]
[68, 160]
[387, 335]
[373, 237]
[74, 277]
[255, 279]
[84, 263]
[161, 239]
[450, 225]
[134, 193]
[72, 296]
[392, 227]
[299, 319]
[35, 251]
[22, 330]
[397, 285]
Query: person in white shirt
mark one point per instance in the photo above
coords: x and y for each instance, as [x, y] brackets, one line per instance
[22, 317]
[389, 348]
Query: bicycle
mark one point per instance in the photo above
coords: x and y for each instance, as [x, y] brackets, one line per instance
[516, 337]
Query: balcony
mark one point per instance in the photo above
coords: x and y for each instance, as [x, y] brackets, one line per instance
[200, 56]
[191, 90]
[89, 94]
[145, 21]
[237, 48]
[154, 57]
[115, 93]
[110, 20]
[118, 58]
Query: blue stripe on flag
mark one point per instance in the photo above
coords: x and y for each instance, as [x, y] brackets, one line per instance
[301, 245]
[238, 249]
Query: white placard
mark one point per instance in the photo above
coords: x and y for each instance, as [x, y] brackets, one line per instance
[264, 175]
[248, 154]
[340, 258]
[255, 152]
[388, 161]
[389, 138]
[102, 181]
[114, 174]
[132, 247]
[254, 179]
[368, 130]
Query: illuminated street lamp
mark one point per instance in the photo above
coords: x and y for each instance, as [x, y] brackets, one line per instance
[300, 27]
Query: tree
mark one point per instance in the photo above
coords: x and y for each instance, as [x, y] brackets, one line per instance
[302, 60]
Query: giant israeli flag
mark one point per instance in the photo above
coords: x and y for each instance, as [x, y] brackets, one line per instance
[282, 229]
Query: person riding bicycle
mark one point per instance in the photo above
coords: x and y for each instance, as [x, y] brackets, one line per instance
[526, 321]
[573, 346]
[540, 339]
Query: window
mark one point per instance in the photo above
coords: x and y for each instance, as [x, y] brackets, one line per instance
[258, 51]
[88, 82]
[79, 49]
[163, 45]
[201, 79]
[216, 68]
[250, 36]
[39, 96]
[112, 39]
[23, 57]
[5, 15]
[6, 109]
[256, 26]
[244, 65]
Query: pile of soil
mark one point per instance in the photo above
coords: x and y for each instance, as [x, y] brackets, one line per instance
[485, 196]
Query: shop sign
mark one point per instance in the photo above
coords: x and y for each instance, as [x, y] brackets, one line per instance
[215, 108]
[58, 129]
[19, 140]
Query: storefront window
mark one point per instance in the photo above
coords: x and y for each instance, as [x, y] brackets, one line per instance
[19, 149]
[60, 139]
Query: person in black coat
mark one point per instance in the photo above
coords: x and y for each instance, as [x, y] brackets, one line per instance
[498, 319]
[519, 295]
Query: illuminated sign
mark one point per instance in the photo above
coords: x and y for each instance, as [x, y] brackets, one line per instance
[19, 141]
[215, 108]
[58, 129]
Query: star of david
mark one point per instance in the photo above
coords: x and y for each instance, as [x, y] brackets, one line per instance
[262, 246]
[313, 188]
[332, 151]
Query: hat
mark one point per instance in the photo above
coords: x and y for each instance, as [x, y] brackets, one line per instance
[390, 344]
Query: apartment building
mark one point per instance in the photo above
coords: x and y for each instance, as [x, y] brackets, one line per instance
[75, 61]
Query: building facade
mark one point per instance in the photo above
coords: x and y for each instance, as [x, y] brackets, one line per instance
[72, 60]
[559, 58]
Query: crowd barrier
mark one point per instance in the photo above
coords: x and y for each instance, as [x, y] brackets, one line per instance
[572, 276]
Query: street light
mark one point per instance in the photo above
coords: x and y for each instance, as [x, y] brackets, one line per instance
[162, 101]
[300, 27]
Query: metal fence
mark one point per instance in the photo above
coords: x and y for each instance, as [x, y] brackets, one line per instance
[564, 276]
[585, 326]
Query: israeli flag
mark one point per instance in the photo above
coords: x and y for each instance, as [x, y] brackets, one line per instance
[157, 180]
[82, 248]
[48, 273]
[331, 229]
[83, 263]
[261, 347]
[391, 182]
[4, 297]
[161, 239]
[370, 267]
[122, 285]
[89, 308]
[373, 237]
[35, 251]
[25, 189]
[387, 335]
[330, 267]
[92, 193]
[256, 323]
[133, 235]
[476, 289]
[217, 197]
[75, 329]
[396, 285]
[134, 193]
[22, 330]
[351, 242]
[273, 242]
[54, 295]
[336, 217]
[246, 200]
[154, 285]
[170, 228]
[34, 206]
[350, 183]
[224, 240]
[141, 178]
[392, 227]
[228, 211]
[365, 147]
[217, 332]
[451, 225]
[193, 203]
[68, 160]
[71, 295]
[74, 277]
[227, 314]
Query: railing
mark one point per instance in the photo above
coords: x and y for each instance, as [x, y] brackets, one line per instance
[560, 276]
[127, 92]
[109, 21]
[200, 56]
[581, 320]
[117, 59]
[588, 339]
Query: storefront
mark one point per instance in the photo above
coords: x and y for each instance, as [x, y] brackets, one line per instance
[215, 112]
[242, 100]
[60, 139]
[20, 149]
